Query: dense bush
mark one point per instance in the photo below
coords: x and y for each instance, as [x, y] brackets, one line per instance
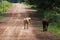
[45, 4]
[4, 5]
[54, 29]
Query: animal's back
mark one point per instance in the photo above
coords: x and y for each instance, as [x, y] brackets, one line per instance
[25, 21]
[45, 22]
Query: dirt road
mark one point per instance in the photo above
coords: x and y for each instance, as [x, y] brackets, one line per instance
[12, 28]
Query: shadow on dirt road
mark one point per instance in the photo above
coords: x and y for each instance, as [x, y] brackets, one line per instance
[12, 27]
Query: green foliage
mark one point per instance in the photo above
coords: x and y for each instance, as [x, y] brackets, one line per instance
[4, 5]
[49, 9]
[30, 6]
[1, 17]
[54, 29]
[45, 4]
[52, 15]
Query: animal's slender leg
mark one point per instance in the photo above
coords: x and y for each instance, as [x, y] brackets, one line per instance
[24, 25]
[27, 25]
[43, 28]
[46, 28]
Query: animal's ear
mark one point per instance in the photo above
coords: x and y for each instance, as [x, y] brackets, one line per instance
[30, 18]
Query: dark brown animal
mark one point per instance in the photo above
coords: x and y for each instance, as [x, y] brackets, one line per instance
[45, 24]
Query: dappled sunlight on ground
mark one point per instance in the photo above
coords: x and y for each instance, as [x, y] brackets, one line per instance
[13, 28]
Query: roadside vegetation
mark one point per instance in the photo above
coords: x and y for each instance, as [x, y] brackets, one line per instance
[4, 5]
[50, 10]
[54, 29]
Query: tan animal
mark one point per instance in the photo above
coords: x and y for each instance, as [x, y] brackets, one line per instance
[26, 22]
